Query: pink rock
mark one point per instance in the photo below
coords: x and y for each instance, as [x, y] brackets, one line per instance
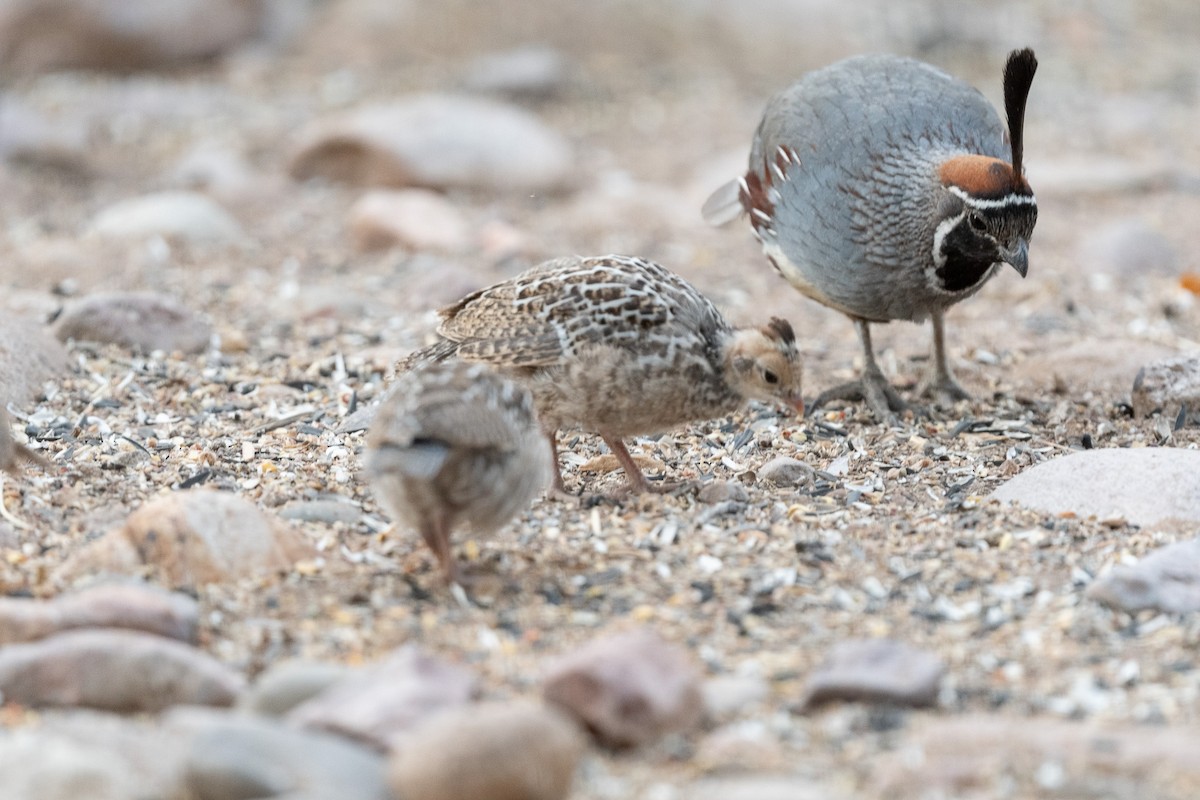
[379, 703]
[191, 538]
[498, 751]
[128, 606]
[115, 670]
[414, 218]
[628, 688]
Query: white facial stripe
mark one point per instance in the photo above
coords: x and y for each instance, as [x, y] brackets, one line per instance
[983, 204]
[943, 229]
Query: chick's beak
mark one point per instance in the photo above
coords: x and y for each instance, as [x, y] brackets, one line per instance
[1017, 257]
[796, 402]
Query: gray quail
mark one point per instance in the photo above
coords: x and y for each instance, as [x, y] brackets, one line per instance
[884, 188]
[455, 443]
[618, 346]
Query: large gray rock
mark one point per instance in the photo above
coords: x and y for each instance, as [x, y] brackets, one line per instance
[436, 141]
[1143, 485]
[40, 35]
[1166, 580]
[239, 757]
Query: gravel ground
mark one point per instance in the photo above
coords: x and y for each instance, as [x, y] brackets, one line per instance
[892, 534]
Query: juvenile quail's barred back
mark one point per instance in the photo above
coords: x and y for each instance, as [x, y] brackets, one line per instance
[619, 346]
[879, 186]
[455, 443]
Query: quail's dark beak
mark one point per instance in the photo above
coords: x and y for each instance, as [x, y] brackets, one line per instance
[1017, 256]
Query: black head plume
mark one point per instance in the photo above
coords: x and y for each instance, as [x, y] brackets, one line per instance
[1018, 77]
[781, 329]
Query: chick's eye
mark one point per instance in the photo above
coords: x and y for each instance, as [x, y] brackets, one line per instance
[977, 222]
[770, 377]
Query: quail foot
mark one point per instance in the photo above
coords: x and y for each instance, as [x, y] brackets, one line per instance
[618, 346]
[884, 188]
[455, 443]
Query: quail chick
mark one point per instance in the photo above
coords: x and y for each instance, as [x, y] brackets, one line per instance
[618, 346]
[13, 452]
[884, 188]
[455, 443]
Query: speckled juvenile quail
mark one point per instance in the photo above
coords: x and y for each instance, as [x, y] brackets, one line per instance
[13, 452]
[618, 346]
[455, 443]
[879, 186]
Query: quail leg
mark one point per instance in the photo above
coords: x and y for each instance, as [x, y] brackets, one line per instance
[436, 534]
[940, 382]
[558, 489]
[872, 386]
[637, 481]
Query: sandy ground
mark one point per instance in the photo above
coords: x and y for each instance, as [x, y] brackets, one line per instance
[660, 106]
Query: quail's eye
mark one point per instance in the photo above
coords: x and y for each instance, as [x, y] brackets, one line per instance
[770, 377]
[977, 222]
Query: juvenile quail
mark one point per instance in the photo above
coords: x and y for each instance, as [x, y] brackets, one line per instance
[618, 346]
[878, 186]
[455, 443]
[13, 452]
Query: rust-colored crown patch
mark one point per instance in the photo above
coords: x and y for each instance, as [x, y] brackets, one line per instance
[983, 177]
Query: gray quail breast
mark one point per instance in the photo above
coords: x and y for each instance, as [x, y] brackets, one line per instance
[618, 346]
[455, 444]
[884, 188]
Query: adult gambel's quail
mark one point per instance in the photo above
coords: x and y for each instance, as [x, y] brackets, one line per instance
[455, 443]
[619, 346]
[879, 186]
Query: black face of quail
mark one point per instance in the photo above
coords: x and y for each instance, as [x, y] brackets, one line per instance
[986, 218]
